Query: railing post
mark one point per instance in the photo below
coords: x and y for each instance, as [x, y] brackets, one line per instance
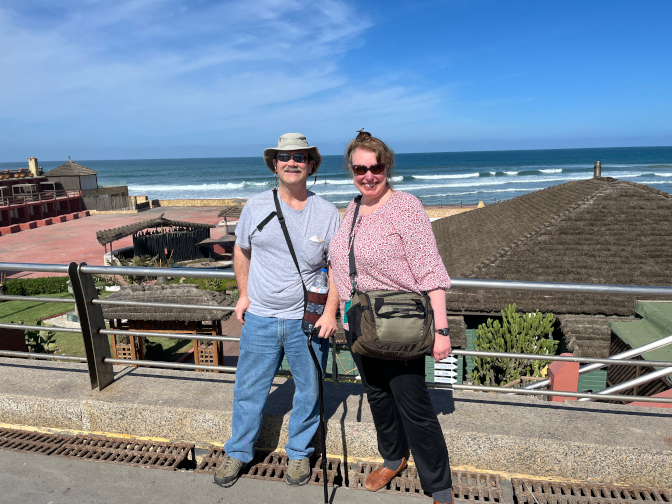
[92, 321]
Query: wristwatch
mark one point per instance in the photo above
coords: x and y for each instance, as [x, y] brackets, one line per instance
[443, 332]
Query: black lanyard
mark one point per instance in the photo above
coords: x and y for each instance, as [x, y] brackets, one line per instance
[353, 266]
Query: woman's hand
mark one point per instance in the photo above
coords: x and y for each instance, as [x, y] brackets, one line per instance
[442, 347]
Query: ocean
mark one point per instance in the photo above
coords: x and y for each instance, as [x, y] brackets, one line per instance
[441, 178]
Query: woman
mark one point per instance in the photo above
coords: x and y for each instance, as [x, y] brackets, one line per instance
[395, 249]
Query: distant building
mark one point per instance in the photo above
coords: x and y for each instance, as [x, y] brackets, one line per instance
[73, 176]
[28, 199]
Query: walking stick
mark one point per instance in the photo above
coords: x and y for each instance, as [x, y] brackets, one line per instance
[323, 426]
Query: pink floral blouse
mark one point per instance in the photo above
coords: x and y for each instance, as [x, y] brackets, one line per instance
[395, 249]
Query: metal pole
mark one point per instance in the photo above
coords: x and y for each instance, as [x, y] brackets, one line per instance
[29, 355]
[560, 358]
[508, 391]
[577, 288]
[634, 352]
[634, 382]
[40, 328]
[597, 169]
[92, 321]
[163, 305]
[323, 427]
[150, 334]
[168, 365]
[38, 299]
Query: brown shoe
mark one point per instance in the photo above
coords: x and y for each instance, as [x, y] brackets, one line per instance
[382, 476]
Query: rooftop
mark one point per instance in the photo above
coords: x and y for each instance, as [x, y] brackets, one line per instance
[70, 169]
[599, 230]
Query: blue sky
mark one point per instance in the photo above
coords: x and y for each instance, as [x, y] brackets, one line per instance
[168, 78]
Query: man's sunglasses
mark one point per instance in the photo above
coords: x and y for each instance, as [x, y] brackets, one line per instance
[299, 158]
[375, 169]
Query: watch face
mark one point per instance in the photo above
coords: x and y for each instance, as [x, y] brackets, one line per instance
[443, 332]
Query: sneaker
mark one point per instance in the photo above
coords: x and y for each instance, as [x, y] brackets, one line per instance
[227, 473]
[298, 472]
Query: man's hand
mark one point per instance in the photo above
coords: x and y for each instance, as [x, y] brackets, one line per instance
[327, 325]
[442, 347]
[241, 307]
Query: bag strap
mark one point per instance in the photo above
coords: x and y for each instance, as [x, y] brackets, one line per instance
[283, 225]
[351, 255]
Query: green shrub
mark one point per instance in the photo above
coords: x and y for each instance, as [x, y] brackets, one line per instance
[36, 286]
[529, 334]
[41, 341]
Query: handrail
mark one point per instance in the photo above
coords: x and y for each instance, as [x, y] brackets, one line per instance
[172, 272]
[37, 299]
[151, 334]
[40, 328]
[575, 288]
[162, 305]
[32, 197]
[661, 373]
[100, 362]
[618, 358]
[561, 358]
[41, 356]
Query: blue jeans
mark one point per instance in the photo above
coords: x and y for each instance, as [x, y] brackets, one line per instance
[263, 342]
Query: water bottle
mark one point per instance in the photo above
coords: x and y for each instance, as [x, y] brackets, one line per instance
[317, 299]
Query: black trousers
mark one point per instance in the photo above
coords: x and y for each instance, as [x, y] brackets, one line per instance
[403, 414]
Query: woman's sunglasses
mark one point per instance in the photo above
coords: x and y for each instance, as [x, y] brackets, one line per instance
[299, 158]
[375, 169]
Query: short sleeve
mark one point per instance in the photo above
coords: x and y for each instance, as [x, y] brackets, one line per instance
[420, 247]
[243, 228]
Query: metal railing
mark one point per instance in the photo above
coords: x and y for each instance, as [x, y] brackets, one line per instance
[100, 362]
[44, 196]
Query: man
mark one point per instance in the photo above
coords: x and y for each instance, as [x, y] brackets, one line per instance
[271, 305]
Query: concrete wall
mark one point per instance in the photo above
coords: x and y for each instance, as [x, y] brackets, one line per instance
[89, 182]
[107, 191]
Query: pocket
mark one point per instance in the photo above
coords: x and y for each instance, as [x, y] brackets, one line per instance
[400, 318]
[313, 254]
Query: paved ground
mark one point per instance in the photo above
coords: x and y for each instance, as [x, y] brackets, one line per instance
[28, 478]
[75, 240]
[500, 433]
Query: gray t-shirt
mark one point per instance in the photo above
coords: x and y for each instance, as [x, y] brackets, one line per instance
[273, 284]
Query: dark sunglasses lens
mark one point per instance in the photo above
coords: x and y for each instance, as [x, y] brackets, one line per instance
[284, 157]
[376, 169]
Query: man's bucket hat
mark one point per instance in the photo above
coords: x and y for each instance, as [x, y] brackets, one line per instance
[290, 142]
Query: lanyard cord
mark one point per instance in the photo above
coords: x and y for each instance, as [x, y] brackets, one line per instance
[351, 253]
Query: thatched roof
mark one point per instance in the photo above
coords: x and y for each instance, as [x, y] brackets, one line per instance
[232, 211]
[179, 294]
[70, 169]
[588, 335]
[109, 235]
[599, 230]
